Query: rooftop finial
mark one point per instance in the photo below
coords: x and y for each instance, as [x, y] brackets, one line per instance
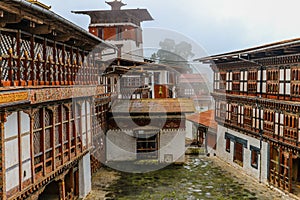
[115, 5]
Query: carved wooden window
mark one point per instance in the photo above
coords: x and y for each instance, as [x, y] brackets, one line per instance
[234, 114]
[86, 123]
[228, 112]
[285, 80]
[244, 81]
[105, 84]
[77, 119]
[89, 123]
[216, 80]
[48, 120]
[146, 144]
[248, 116]
[220, 109]
[222, 81]
[241, 115]
[252, 81]
[279, 123]
[83, 124]
[72, 130]
[262, 81]
[17, 151]
[290, 129]
[229, 76]
[272, 84]
[257, 118]
[38, 140]
[236, 81]
[269, 116]
[65, 130]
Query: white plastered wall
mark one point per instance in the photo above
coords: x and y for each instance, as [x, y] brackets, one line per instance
[172, 142]
[120, 146]
[85, 179]
[247, 168]
[11, 127]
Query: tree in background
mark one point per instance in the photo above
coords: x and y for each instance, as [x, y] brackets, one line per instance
[173, 54]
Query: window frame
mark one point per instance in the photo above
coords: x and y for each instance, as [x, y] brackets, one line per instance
[255, 153]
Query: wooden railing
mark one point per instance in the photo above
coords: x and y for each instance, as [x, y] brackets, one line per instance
[30, 60]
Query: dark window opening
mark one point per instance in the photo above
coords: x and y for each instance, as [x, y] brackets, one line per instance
[147, 146]
[254, 159]
[228, 145]
[238, 153]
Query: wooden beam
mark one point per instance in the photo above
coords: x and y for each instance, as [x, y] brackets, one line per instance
[42, 30]
[64, 38]
[9, 19]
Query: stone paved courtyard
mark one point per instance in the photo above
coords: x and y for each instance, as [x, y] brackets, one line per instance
[200, 178]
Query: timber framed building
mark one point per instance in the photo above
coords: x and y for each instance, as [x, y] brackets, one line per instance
[52, 103]
[257, 109]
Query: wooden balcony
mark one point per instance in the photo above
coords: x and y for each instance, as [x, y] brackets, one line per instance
[29, 60]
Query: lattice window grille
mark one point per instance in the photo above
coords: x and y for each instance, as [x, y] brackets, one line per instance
[38, 50]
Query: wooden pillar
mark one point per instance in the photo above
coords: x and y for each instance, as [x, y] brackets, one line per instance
[44, 63]
[272, 165]
[79, 72]
[279, 167]
[61, 138]
[285, 170]
[290, 171]
[86, 124]
[70, 70]
[17, 82]
[62, 189]
[26, 69]
[68, 130]
[43, 141]
[32, 79]
[63, 66]
[10, 67]
[2, 161]
[80, 127]
[72, 181]
[53, 139]
[20, 151]
[32, 145]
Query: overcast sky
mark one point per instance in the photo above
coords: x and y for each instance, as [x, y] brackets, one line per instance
[216, 25]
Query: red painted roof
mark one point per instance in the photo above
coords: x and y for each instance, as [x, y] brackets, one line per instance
[206, 119]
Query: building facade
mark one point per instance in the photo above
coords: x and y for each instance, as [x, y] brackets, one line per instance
[121, 27]
[144, 129]
[52, 104]
[257, 110]
[196, 87]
